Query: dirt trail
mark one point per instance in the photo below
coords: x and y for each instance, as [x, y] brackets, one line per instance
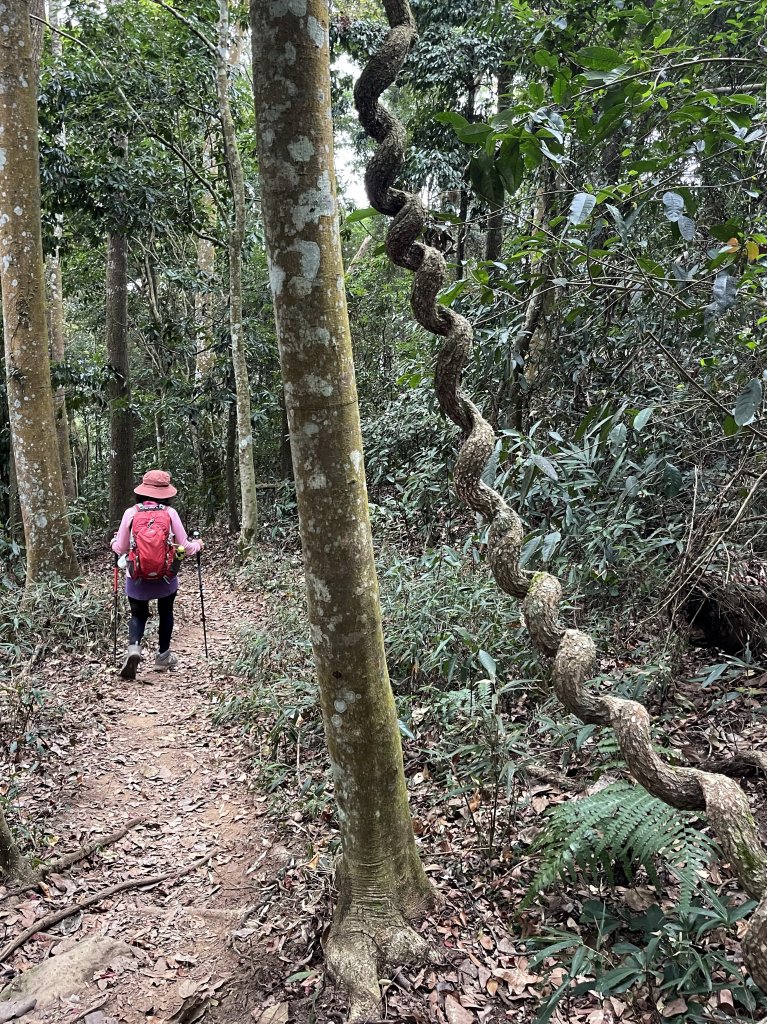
[150, 749]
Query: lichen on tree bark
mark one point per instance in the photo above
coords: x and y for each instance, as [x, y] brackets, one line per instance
[573, 652]
[30, 397]
[381, 882]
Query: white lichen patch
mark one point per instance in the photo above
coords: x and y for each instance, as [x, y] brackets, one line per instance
[317, 386]
[310, 256]
[3, 158]
[310, 429]
[317, 481]
[276, 278]
[316, 31]
[302, 149]
[355, 458]
[314, 203]
[340, 706]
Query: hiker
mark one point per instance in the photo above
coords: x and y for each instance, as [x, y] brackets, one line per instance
[152, 537]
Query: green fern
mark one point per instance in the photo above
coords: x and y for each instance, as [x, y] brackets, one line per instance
[621, 824]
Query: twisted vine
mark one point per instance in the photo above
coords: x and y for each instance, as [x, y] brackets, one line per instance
[573, 652]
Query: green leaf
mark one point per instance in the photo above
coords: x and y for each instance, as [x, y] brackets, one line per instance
[404, 729]
[474, 134]
[581, 207]
[662, 38]
[358, 215]
[550, 542]
[724, 232]
[485, 178]
[686, 227]
[559, 89]
[598, 58]
[536, 92]
[456, 121]
[487, 661]
[546, 467]
[748, 403]
[724, 291]
[741, 97]
[641, 418]
[730, 427]
[672, 480]
[674, 205]
[510, 165]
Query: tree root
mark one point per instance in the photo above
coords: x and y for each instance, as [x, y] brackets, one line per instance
[68, 859]
[361, 949]
[97, 897]
[31, 878]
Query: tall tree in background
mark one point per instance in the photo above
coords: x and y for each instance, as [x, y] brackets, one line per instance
[249, 511]
[27, 362]
[120, 416]
[55, 297]
[381, 880]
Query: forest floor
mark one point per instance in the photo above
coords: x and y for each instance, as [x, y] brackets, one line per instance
[231, 931]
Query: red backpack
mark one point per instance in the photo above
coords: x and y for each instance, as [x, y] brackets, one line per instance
[151, 549]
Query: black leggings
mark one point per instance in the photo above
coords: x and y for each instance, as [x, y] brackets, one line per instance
[139, 613]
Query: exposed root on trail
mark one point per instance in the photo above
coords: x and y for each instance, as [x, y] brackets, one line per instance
[90, 901]
[573, 652]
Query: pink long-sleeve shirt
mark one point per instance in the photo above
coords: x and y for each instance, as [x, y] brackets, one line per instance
[150, 590]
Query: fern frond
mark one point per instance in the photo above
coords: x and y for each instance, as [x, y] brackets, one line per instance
[622, 824]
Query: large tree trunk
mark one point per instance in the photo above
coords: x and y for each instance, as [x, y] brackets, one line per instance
[27, 362]
[249, 516]
[381, 881]
[120, 417]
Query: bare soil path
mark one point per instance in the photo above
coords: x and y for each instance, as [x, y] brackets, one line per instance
[149, 748]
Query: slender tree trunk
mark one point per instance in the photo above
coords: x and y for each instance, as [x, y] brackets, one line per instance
[494, 233]
[381, 881]
[231, 462]
[27, 362]
[249, 518]
[206, 270]
[120, 417]
[57, 343]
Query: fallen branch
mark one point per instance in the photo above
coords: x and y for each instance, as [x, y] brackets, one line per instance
[90, 901]
[85, 851]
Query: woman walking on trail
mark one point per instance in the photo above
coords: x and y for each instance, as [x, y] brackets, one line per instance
[152, 537]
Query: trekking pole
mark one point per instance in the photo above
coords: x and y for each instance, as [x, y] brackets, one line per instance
[196, 536]
[114, 609]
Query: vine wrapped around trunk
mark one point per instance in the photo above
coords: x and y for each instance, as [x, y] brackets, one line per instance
[573, 653]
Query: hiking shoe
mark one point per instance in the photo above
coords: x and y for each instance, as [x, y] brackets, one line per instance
[164, 661]
[132, 658]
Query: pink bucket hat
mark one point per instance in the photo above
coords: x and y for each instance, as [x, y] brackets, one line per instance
[156, 484]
